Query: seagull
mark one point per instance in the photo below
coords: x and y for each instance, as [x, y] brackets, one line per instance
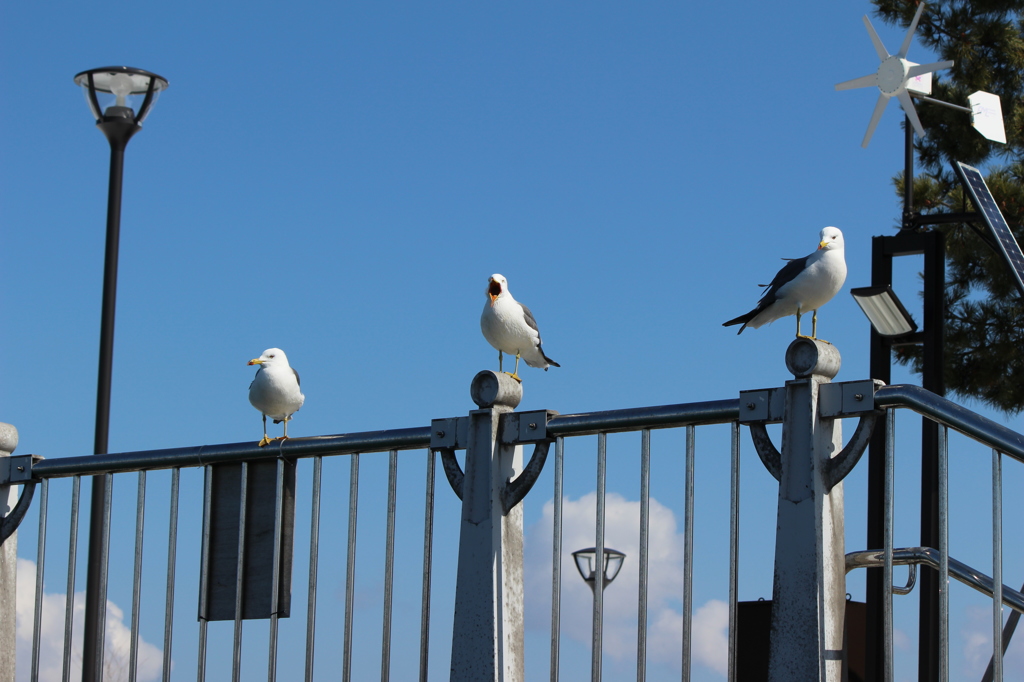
[275, 390]
[803, 284]
[508, 325]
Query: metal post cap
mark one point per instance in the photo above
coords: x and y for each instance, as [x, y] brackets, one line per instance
[805, 357]
[8, 438]
[495, 389]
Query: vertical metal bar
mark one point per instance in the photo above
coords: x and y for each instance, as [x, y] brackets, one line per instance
[556, 560]
[172, 558]
[40, 566]
[688, 552]
[275, 572]
[997, 566]
[101, 617]
[887, 535]
[350, 567]
[314, 557]
[203, 570]
[734, 546]
[943, 553]
[140, 517]
[597, 641]
[645, 508]
[69, 602]
[428, 552]
[389, 567]
[236, 655]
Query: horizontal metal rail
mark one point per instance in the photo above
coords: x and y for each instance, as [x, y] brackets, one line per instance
[946, 412]
[586, 423]
[202, 455]
[633, 419]
[927, 556]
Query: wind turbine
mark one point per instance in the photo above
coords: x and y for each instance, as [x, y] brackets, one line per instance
[893, 76]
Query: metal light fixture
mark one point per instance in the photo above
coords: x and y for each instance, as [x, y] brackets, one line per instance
[120, 92]
[586, 560]
[885, 310]
[120, 98]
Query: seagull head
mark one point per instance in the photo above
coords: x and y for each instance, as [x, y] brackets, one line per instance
[831, 238]
[496, 286]
[271, 357]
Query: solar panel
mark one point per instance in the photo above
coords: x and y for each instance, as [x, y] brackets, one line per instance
[982, 198]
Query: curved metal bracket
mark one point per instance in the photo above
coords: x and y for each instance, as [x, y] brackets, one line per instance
[452, 470]
[770, 456]
[911, 581]
[837, 468]
[515, 490]
[10, 523]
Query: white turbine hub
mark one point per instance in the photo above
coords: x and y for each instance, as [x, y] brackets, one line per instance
[892, 76]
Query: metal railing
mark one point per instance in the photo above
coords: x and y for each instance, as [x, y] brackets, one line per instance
[1001, 440]
[559, 428]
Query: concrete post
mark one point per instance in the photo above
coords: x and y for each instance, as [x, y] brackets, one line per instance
[8, 565]
[487, 642]
[809, 597]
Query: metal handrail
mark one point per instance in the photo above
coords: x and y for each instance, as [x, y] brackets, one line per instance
[946, 412]
[875, 558]
[632, 419]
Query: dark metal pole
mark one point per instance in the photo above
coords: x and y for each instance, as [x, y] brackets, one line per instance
[118, 131]
[929, 647]
[880, 368]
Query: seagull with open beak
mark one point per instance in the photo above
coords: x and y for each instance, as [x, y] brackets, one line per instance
[508, 325]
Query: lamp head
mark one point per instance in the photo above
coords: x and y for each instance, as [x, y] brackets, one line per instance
[120, 93]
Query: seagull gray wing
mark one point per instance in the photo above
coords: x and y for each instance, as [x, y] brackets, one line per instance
[529, 318]
[296, 376]
[787, 274]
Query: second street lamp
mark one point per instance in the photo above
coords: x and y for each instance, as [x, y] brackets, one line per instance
[120, 98]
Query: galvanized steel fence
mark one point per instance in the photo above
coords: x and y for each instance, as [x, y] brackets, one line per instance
[559, 428]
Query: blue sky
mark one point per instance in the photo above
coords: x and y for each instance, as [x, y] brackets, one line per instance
[340, 180]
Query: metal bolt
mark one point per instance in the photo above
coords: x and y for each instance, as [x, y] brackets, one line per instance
[858, 396]
[21, 468]
[533, 425]
[440, 434]
[750, 406]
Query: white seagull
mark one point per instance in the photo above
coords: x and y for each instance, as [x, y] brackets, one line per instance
[803, 284]
[275, 390]
[508, 325]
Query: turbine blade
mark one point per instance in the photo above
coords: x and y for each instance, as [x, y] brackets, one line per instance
[910, 32]
[908, 108]
[919, 69]
[883, 54]
[862, 82]
[876, 116]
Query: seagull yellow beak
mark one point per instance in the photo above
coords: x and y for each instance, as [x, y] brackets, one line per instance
[822, 245]
[493, 290]
[255, 361]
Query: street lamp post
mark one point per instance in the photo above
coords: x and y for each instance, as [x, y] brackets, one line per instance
[587, 561]
[113, 94]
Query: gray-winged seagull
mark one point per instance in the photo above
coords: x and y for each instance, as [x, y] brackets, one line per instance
[275, 390]
[508, 325]
[803, 284]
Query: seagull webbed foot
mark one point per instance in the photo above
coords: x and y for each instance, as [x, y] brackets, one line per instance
[267, 440]
[514, 376]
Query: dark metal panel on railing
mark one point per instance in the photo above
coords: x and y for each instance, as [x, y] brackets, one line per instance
[949, 413]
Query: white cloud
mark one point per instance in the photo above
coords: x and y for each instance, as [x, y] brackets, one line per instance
[51, 636]
[977, 645]
[664, 592]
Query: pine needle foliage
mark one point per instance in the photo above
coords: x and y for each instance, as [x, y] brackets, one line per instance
[984, 347]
